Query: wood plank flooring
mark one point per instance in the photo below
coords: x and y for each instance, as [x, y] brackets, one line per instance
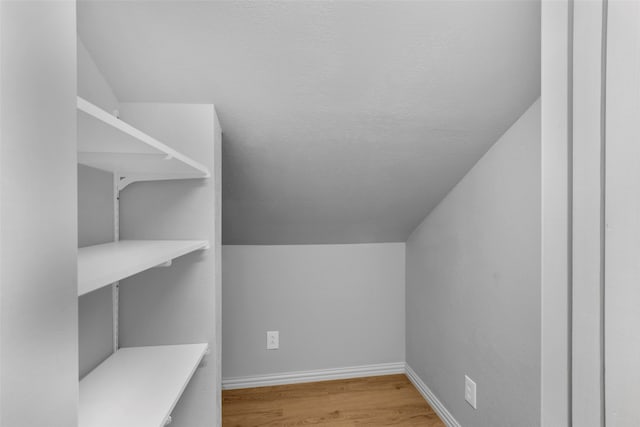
[389, 400]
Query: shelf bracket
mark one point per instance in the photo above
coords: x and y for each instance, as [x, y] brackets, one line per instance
[165, 264]
[115, 287]
[203, 362]
[124, 182]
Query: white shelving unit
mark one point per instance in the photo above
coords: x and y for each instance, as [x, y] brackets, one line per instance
[138, 386]
[102, 265]
[135, 386]
[105, 142]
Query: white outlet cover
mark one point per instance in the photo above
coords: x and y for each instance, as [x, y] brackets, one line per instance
[470, 391]
[273, 340]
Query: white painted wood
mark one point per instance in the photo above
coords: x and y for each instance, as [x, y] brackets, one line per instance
[101, 265]
[1, 223]
[216, 244]
[313, 376]
[555, 385]
[587, 399]
[622, 206]
[138, 386]
[108, 143]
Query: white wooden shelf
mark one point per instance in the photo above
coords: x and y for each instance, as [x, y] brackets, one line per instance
[108, 143]
[101, 265]
[138, 386]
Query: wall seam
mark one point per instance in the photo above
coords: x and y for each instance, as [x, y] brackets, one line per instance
[570, 34]
[603, 182]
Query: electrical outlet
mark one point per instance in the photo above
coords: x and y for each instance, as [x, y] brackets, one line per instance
[470, 391]
[273, 340]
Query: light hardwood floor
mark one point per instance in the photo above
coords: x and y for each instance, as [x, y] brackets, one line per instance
[389, 400]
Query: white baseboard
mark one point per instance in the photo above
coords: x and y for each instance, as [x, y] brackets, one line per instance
[312, 376]
[428, 395]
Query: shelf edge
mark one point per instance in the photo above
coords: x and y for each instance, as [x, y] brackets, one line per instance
[122, 126]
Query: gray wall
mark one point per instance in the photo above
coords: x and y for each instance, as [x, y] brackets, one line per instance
[38, 292]
[95, 226]
[92, 85]
[334, 305]
[95, 206]
[473, 286]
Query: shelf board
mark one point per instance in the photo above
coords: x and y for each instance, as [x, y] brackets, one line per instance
[101, 265]
[138, 386]
[108, 143]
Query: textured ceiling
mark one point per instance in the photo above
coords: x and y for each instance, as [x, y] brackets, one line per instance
[343, 121]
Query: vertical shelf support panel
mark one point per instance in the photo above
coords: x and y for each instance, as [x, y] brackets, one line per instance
[195, 130]
[115, 288]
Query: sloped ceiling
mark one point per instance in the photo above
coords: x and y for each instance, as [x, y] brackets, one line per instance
[343, 121]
